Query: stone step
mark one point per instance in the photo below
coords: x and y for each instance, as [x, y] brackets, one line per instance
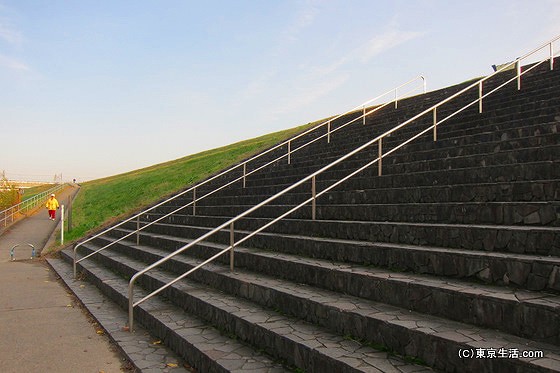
[531, 272]
[536, 191]
[298, 343]
[202, 346]
[454, 299]
[469, 175]
[434, 160]
[504, 144]
[496, 213]
[482, 144]
[388, 324]
[467, 123]
[141, 348]
[544, 241]
[368, 179]
[455, 144]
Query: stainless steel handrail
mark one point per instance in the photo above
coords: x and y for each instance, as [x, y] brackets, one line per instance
[26, 205]
[287, 155]
[312, 178]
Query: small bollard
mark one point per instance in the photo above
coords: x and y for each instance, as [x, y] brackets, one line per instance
[12, 250]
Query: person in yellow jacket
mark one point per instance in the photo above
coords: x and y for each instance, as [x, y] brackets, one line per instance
[52, 206]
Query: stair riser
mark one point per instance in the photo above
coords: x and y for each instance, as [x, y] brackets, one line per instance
[283, 347]
[525, 214]
[495, 239]
[399, 339]
[514, 271]
[144, 316]
[512, 317]
[537, 191]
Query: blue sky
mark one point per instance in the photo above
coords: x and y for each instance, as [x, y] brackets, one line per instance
[96, 88]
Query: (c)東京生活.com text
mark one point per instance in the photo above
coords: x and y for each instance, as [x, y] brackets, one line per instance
[498, 353]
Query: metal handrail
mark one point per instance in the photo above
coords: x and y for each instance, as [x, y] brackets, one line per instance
[312, 177]
[287, 155]
[27, 204]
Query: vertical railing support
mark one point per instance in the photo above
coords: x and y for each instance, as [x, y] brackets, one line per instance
[551, 57]
[61, 224]
[131, 304]
[313, 196]
[518, 69]
[194, 201]
[232, 244]
[480, 97]
[380, 155]
[435, 123]
[396, 98]
[289, 152]
[329, 132]
[244, 174]
[138, 230]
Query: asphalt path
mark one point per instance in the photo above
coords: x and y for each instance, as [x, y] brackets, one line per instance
[42, 326]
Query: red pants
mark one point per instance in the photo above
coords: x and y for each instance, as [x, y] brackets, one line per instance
[52, 214]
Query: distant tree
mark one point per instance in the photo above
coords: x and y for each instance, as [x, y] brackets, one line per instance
[8, 193]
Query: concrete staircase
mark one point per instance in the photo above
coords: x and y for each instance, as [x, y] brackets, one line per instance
[449, 261]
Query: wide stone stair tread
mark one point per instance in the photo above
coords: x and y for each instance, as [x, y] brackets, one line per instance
[445, 332]
[543, 213]
[317, 345]
[463, 292]
[216, 348]
[142, 349]
[519, 239]
[479, 154]
[537, 190]
[465, 175]
[525, 228]
[490, 267]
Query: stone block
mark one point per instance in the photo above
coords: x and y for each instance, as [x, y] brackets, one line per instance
[554, 279]
[518, 272]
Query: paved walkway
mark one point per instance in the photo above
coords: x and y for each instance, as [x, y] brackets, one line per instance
[42, 326]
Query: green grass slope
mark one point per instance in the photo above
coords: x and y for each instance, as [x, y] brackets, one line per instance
[105, 201]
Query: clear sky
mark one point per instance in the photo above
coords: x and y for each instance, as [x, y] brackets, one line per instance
[92, 88]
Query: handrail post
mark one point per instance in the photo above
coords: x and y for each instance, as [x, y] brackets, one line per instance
[313, 201]
[435, 123]
[396, 98]
[194, 201]
[480, 98]
[232, 243]
[138, 230]
[131, 304]
[289, 152]
[329, 132]
[75, 257]
[518, 69]
[244, 174]
[62, 224]
[551, 56]
[380, 154]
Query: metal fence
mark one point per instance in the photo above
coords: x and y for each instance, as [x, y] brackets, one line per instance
[9, 215]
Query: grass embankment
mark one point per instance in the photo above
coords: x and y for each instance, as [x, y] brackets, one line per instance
[105, 201]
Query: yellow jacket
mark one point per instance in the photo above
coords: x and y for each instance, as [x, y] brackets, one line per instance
[52, 203]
